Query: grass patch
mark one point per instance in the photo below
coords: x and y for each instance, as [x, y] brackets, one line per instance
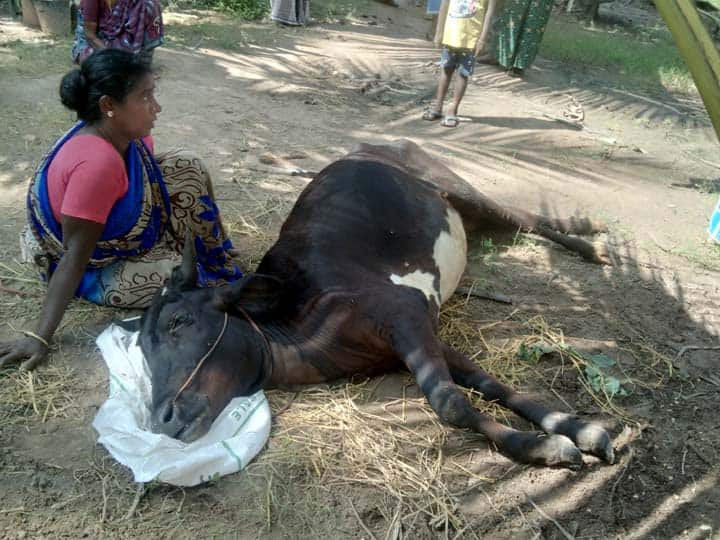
[648, 59]
[249, 10]
[227, 34]
[705, 255]
[35, 57]
[329, 11]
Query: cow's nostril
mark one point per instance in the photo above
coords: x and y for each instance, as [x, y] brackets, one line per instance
[167, 413]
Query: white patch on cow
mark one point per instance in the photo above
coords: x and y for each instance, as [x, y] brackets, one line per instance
[449, 254]
[164, 291]
[419, 280]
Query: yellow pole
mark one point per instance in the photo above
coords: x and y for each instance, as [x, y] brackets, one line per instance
[698, 52]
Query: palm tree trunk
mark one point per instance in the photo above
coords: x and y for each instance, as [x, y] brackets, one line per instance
[698, 51]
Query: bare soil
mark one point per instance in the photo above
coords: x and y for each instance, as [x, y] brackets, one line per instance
[643, 163]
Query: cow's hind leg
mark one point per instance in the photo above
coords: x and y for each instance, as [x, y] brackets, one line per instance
[426, 361]
[588, 437]
[479, 212]
[573, 225]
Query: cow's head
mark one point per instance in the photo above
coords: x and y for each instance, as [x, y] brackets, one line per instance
[200, 348]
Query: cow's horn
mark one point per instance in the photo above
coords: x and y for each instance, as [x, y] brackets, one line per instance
[186, 277]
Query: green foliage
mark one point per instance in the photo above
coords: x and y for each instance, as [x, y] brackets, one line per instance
[251, 10]
[331, 11]
[594, 367]
[709, 4]
[596, 374]
[647, 59]
[225, 34]
[533, 353]
[489, 250]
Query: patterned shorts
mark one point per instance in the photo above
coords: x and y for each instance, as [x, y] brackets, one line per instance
[461, 59]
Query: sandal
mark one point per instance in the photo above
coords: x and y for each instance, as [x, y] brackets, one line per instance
[450, 121]
[431, 115]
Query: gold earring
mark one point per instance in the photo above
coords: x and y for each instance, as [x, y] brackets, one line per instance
[110, 114]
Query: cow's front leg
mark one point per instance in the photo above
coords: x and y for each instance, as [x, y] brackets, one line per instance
[588, 437]
[423, 355]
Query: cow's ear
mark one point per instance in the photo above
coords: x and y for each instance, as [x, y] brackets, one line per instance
[254, 293]
[184, 277]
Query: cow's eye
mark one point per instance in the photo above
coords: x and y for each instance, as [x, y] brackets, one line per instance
[179, 320]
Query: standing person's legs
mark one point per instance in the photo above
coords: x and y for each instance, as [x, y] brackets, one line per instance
[458, 93]
[444, 83]
[529, 40]
[465, 68]
[510, 28]
[447, 65]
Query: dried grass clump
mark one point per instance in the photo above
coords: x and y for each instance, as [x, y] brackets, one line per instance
[256, 222]
[341, 438]
[44, 393]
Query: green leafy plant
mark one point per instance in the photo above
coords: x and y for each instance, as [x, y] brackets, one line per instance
[594, 367]
[596, 374]
[534, 352]
[251, 10]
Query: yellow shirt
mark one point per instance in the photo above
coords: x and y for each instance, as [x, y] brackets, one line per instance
[464, 23]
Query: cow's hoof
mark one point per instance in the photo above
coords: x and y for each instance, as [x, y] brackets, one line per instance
[589, 438]
[598, 226]
[602, 253]
[548, 450]
[594, 440]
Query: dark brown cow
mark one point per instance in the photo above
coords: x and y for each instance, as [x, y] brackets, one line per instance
[353, 285]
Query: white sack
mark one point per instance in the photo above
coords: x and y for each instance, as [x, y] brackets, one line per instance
[122, 423]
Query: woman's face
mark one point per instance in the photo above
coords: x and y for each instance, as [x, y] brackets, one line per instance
[136, 116]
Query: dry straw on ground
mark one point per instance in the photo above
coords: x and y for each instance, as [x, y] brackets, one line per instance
[344, 437]
[47, 393]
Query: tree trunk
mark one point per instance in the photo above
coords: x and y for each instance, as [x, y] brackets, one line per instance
[698, 51]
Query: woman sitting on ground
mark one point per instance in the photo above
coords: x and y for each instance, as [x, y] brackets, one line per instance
[107, 219]
[135, 26]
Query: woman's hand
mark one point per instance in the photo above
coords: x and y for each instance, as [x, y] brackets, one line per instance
[29, 348]
[80, 237]
[92, 37]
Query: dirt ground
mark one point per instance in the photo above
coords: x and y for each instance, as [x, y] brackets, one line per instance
[643, 163]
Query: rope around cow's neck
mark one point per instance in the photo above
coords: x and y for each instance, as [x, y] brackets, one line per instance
[202, 360]
[214, 346]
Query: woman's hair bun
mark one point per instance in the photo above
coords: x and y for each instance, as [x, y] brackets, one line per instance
[74, 90]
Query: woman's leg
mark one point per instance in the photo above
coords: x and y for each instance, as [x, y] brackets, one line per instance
[193, 206]
[130, 283]
[510, 29]
[529, 40]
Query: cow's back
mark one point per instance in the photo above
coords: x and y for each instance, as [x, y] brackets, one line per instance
[363, 223]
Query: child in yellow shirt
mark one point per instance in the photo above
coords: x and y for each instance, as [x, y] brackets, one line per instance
[466, 28]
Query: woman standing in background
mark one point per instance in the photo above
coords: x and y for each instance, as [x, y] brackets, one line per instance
[520, 28]
[134, 26]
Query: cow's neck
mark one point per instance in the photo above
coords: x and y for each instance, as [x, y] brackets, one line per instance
[297, 357]
[262, 356]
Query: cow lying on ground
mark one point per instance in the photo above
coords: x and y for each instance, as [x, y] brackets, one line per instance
[372, 248]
